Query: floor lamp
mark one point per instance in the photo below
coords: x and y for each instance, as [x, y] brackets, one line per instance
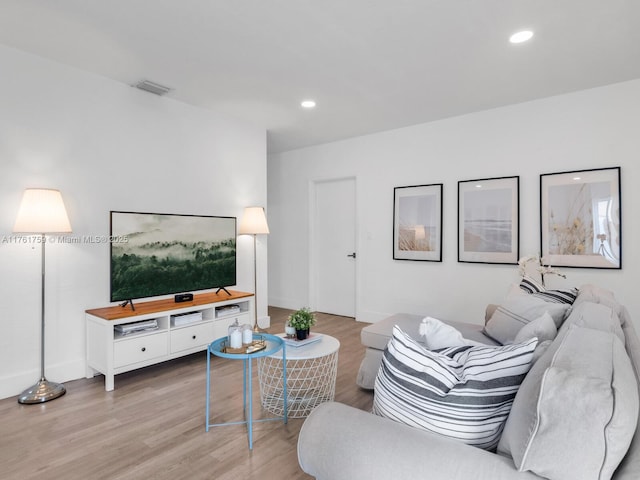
[42, 211]
[254, 222]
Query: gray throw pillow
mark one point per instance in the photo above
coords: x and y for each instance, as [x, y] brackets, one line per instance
[519, 310]
[543, 328]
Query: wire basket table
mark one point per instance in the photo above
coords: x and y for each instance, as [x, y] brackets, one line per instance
[311, 377]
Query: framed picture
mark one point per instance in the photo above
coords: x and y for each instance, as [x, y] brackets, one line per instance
[489, 220]
[580, 218]
[417, 223]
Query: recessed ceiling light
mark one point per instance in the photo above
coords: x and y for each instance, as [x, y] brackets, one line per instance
[521, 36]
[308, 104]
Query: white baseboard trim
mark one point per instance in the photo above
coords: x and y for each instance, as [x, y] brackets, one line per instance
[264, 322]
[14, 385]
[288, 303]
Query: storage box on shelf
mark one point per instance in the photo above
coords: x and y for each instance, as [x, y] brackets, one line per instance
[179, 329]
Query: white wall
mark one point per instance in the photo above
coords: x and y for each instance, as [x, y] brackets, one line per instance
[584, 130]
[106, 146]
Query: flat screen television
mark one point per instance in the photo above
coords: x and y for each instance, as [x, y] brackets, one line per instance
[155, 254]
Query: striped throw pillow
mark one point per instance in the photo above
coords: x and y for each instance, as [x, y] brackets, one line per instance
[463, 392]
[567, 296]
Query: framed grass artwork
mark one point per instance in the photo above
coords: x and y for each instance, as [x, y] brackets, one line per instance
[580, 218]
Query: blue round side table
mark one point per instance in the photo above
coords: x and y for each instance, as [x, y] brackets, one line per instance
[273, 345]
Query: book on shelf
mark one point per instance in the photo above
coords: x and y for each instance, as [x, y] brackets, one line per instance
[294, 342]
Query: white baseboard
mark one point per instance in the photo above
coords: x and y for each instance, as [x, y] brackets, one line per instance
[264, 322]
[14, 385]
[288, 303]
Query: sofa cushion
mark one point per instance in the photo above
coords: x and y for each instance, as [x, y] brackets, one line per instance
[460, 392]
[377, 335]
[518, 310]
[595, 294]
[597, 316]
[576, 413]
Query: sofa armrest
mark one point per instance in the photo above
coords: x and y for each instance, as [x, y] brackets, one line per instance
[338, 442]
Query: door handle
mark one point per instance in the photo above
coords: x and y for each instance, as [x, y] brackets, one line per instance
[352, 255]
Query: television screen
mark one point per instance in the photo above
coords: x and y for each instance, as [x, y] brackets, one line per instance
[155, 254]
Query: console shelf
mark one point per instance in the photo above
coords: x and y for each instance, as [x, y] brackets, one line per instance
[110, 352]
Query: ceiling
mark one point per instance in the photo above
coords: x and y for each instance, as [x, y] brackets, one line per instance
[371, 65]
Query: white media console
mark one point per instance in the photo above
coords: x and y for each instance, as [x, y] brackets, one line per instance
[115, 345]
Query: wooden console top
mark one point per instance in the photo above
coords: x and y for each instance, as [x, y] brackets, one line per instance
[142, 308]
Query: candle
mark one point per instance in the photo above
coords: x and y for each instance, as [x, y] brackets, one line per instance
[235, 339]
[247, 335]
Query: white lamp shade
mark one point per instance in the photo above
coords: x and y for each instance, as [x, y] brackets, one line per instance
[42, 211]
[254, 222]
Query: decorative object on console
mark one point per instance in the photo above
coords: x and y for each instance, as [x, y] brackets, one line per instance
[580, 219]
[42, 211]
[417, 223]
[183, 297]
[254, 222]
[302, 320]
[489, 220]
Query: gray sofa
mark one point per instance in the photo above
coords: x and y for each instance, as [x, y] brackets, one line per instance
[561, 434]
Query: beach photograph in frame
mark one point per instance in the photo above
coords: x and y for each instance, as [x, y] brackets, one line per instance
[580, 218]
[417, 223]
[489, 220]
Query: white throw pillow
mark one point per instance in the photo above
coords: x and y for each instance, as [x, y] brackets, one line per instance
[438, 334]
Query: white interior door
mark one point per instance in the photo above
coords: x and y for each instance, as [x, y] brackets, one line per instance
[333, 246]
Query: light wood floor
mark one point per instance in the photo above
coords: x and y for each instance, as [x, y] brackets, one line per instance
[152, 425]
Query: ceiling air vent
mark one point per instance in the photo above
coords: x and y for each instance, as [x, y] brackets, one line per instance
[152, 87]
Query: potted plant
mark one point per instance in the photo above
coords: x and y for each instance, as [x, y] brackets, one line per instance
[302, 320]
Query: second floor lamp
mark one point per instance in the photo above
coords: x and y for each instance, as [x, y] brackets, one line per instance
[254, 222]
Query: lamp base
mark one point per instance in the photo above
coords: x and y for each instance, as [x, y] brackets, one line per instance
[41, 392]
